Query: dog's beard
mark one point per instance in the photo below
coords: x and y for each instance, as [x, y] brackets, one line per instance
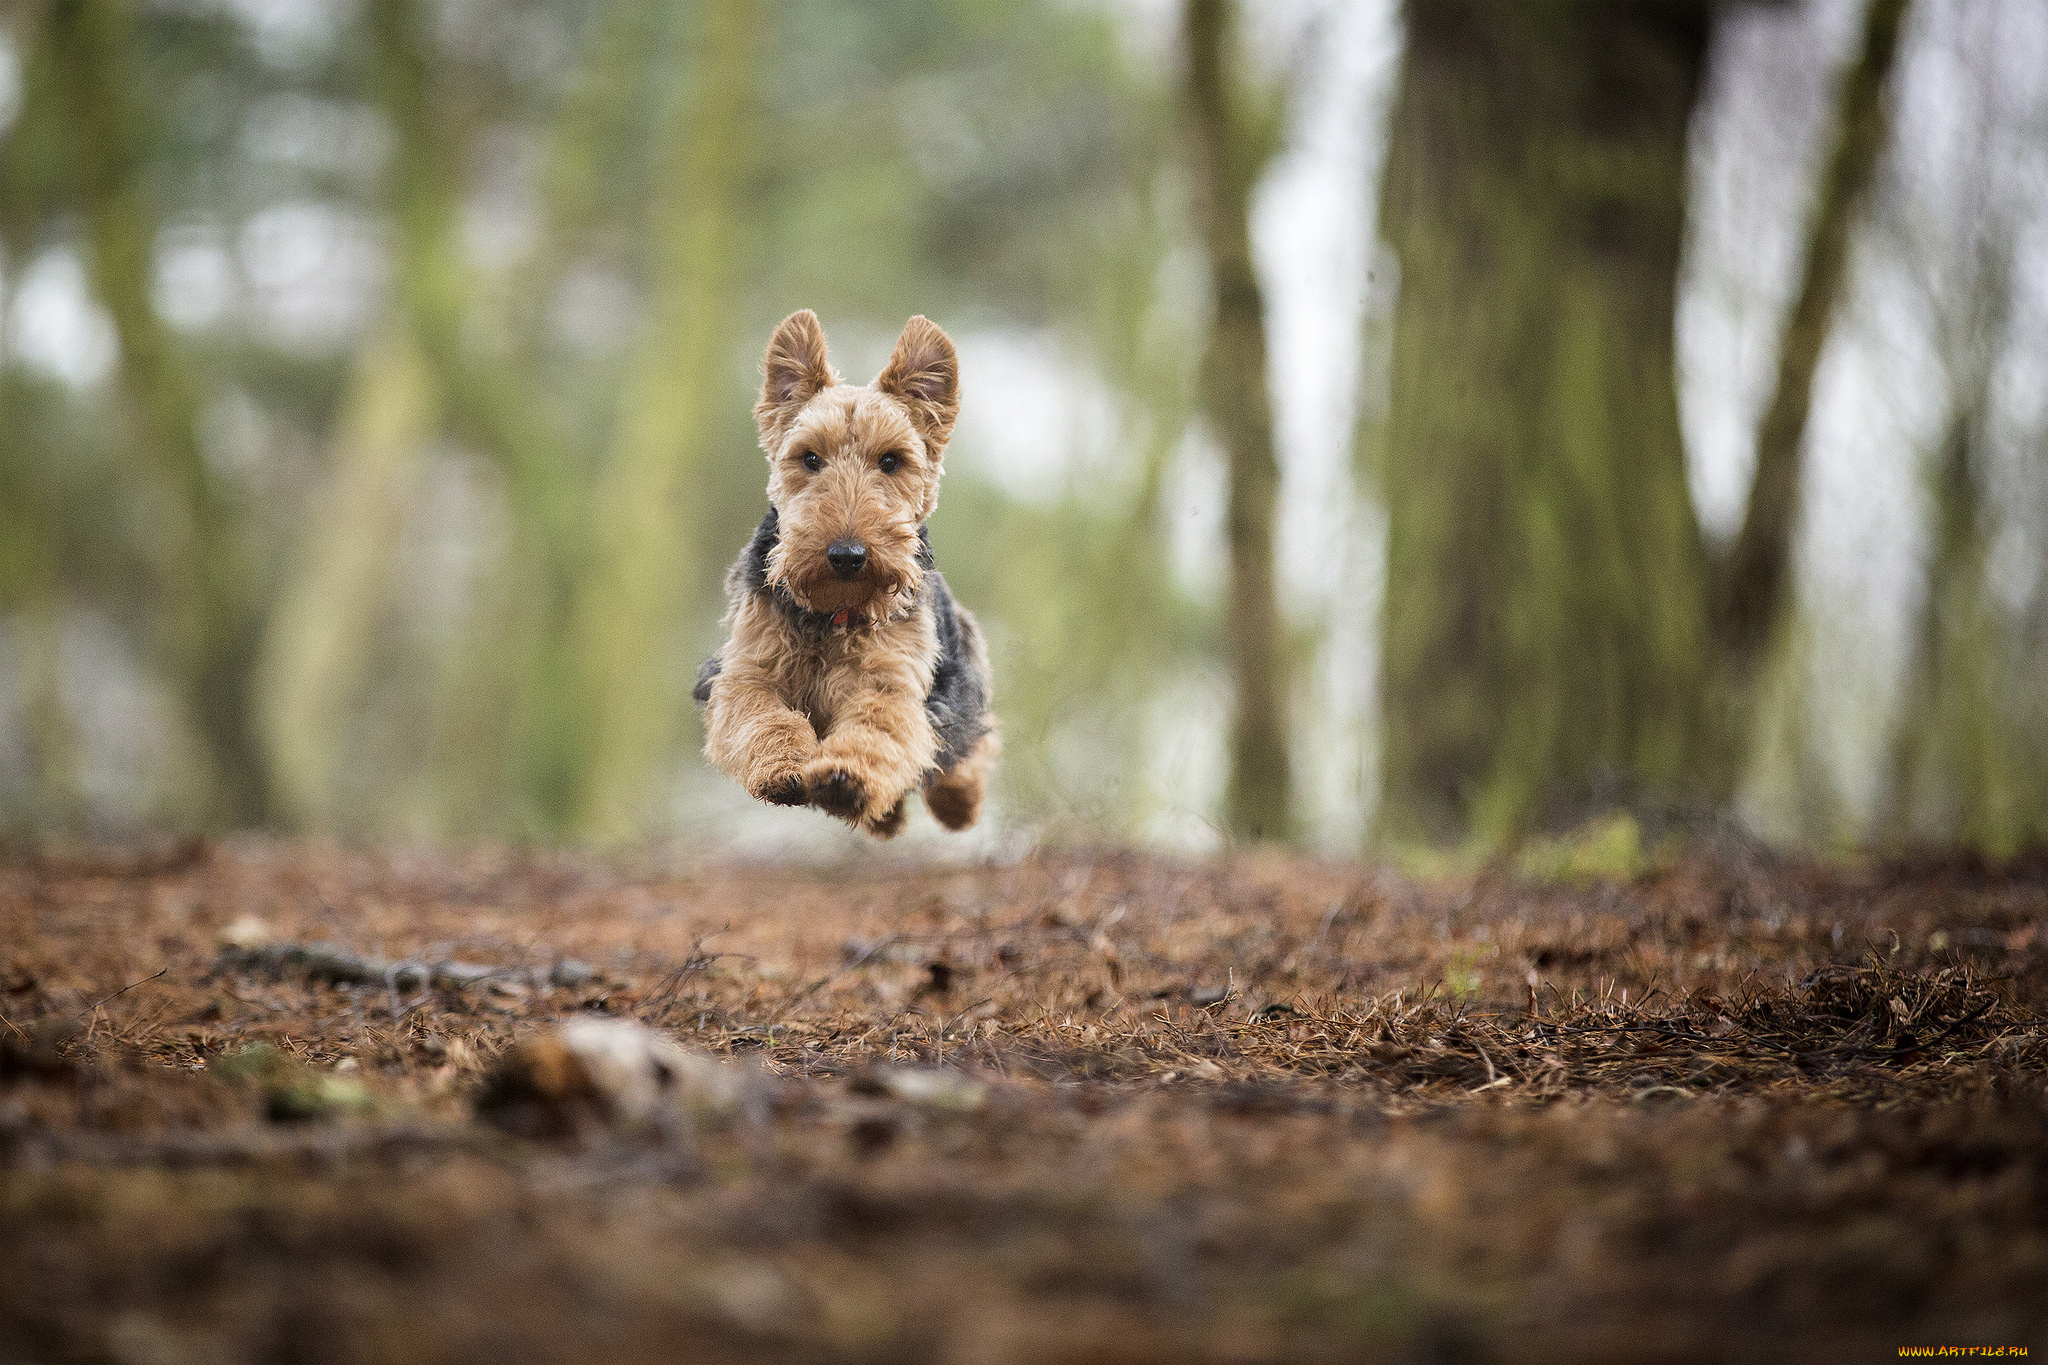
[812, 583]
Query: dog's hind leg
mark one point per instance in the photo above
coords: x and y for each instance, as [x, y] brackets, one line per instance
[954, 796]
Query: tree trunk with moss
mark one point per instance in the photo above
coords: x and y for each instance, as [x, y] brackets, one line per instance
[209, 618]
[1545, 617]
[319, 653]
[628, 626]
[1969, 753]
[1752, 579]
[426, 373]
[1948, 715]
[1239, 411]
[1556, 631]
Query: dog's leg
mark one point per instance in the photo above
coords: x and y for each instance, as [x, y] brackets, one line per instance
[752, 735]
[954, 796]
[890, 825]
[879, 743]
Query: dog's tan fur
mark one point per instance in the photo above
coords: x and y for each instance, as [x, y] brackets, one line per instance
[838, 720]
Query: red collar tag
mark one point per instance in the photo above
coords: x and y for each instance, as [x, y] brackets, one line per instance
[842, 616]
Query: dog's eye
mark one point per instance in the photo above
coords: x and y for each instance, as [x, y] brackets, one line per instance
[889, 462]
[813, 461]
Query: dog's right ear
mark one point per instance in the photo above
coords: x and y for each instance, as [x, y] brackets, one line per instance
[793, 370]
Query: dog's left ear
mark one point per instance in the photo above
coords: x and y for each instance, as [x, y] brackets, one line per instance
[923, 374]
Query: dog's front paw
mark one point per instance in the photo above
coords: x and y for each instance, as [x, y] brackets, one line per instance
[783, 789]
[835, 790]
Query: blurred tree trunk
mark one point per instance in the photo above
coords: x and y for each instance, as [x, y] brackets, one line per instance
[30, 585]
[1545, 612]
[628, 627]
[494, 404]
[1752, 580]
[1969, 755]
[426, 373]
[490, 401]
[210, 613]
[321, 661]
[1556, 631]
[1946, 747]
[592, 644]
[1239, 410]
[585, 139]
[319, 654]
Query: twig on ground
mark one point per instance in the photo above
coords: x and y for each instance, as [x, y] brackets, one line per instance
[879, 945]
[129, 987]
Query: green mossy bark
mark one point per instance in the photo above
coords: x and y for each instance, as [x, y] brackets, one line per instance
[208, 616]
[1239, 410]
[628, 640]
[1969, 755]
[319, 654]
[1545, 618]
[1752, 581]
[1556, 631]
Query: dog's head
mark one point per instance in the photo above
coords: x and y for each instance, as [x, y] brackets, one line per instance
[853, 472]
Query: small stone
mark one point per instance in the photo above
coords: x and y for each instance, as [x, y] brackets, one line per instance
[248, 931]
[570, 973]
[933, 1088]
[601, 1072]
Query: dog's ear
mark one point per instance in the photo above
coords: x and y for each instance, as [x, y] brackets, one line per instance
[793, 370]
[924, 375]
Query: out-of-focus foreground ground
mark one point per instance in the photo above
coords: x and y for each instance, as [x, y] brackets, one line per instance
[1089, 1106]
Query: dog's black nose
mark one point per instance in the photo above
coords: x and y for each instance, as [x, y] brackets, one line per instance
[847, 557]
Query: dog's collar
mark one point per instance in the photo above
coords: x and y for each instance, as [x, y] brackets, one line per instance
[822, 622]
[845, 619]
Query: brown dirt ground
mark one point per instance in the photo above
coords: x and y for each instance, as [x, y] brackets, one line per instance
[1252, 1108]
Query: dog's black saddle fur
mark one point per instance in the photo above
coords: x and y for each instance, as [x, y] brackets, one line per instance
[957, 703]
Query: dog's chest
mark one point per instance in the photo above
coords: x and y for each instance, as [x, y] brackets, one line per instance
[822, 674]
[816, 676]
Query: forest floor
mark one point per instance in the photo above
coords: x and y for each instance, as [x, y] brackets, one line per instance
[1093, 1105]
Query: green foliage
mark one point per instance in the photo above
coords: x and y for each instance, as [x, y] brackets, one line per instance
[293, 1092]
[1610, 846]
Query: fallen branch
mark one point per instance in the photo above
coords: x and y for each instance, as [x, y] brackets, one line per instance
[332, 963]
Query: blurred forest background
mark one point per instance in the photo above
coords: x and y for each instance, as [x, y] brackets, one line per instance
[1426, 423]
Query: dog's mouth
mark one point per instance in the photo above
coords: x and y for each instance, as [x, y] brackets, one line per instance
[870, 595]
[853, 577]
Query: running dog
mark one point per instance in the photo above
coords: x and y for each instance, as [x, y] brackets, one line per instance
[850, 677]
